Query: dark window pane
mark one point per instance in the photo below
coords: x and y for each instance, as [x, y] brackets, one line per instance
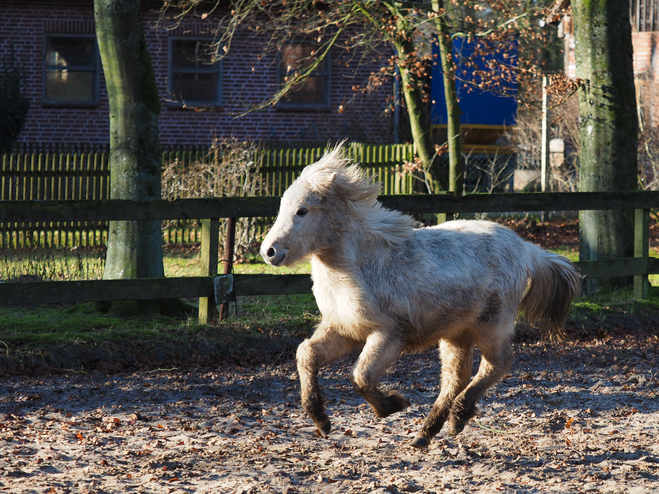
[195, 87]
[311, 91]
[68, 85]
[194, 76]
[299, 57]
[295, 58]
[70, 51]
[192, 54]
[71, 69]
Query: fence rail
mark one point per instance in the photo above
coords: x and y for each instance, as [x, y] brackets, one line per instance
[233, 207]
[42, 173]
[211, 210]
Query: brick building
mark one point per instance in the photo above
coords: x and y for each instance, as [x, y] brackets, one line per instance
[54, 41]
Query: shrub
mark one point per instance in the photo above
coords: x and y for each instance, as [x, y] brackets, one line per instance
[14, 105]
[564, 124]
[230, 168]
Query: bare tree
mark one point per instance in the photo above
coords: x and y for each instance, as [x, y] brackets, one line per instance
[404, 29]
[357, 27]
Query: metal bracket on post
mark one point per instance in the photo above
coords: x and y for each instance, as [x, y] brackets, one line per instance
[642, 250]
[224, 292]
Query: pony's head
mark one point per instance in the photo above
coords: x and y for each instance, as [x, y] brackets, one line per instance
[315, 208]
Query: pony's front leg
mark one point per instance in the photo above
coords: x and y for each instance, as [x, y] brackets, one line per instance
[323, 346]
[379, 352]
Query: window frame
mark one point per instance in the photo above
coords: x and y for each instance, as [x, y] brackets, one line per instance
[171, 71]
[73, 68]
[327, 73]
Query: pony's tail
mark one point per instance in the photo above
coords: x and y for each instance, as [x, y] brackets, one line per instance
[554, 282]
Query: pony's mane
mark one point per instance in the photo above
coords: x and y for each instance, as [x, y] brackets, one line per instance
[335, 176]
[334, 173]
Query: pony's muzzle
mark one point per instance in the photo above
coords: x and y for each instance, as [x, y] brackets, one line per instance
[273, 254]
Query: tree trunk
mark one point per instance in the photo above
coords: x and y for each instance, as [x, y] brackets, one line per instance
[416, 109]
[608, 127]
[455, 159]
[134, 247]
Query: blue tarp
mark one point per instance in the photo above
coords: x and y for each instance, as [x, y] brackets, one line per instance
[478, 107]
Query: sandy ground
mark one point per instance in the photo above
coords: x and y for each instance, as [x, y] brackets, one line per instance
[572, 417]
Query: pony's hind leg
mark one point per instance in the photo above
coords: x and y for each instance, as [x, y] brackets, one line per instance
[497, 353]
[379, 352]
[457, 357]
[323, 346]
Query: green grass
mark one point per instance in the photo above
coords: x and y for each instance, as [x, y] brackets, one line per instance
[69, 324]
[88, 264]
[51, 264]
[81, 337]
[570, 253]
[271, 324]
[77, 335]
[181, 263]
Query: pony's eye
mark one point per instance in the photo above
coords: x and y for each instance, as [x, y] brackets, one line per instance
[301, 212]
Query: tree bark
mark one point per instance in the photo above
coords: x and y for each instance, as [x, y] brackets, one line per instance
[608, 127]
[134, 247]
[455, 159]
[411, 86]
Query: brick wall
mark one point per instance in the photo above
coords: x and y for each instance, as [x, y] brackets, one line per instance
[646, 55]
[646, 69]
[246, 82]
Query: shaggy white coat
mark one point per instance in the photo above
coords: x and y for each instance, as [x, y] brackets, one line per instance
[384, 285]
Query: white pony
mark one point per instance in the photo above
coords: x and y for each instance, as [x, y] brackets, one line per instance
[386, 287]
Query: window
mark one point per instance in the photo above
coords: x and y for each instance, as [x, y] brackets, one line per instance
[71, 70]
[314, 91]
[194, 77]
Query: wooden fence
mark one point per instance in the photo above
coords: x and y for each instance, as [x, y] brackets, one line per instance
[84, 174]
[211, 210]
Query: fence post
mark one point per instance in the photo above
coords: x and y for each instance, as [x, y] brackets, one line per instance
[642, 249]
[544, 144]
[210, 234]
[229, 247]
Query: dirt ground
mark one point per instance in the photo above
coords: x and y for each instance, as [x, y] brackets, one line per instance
[571, 417]
[574, 416]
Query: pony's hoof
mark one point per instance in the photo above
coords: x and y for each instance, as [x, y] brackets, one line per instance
[420, 442]
[325, 428]
[455, 428]
[391, 404]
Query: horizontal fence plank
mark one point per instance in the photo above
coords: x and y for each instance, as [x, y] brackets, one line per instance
[115, 209]
[523, 202]
[618, 267]
[193, 287]
[234, 207]
[271, 284]
[56, 292]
